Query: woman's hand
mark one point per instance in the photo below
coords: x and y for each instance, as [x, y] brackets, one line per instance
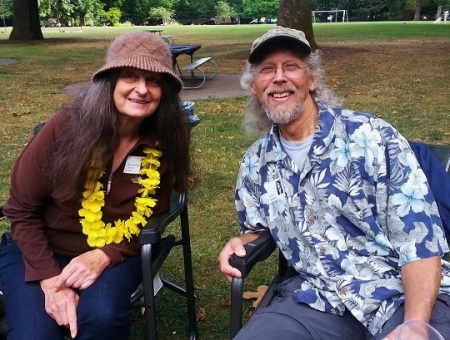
[61, 305]
[83, 270]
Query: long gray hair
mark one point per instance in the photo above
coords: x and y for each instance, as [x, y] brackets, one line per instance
[256, 120]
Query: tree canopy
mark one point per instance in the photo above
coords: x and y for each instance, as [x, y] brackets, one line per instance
[101, 12]
[80, 12]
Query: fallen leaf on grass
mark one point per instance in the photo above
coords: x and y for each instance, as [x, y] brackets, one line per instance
[226, 303]
[201, 315]
[258, 295]
[334, 79]
[218, 109]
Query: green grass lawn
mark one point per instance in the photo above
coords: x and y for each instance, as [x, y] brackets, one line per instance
[394, 70]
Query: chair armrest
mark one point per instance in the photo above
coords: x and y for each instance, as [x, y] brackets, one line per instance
[442, 153]
[152, 231]
[256, 251]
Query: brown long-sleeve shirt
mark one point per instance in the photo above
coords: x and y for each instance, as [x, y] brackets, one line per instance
[42, 225]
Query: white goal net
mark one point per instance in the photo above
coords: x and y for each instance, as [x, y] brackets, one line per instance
[332, 15]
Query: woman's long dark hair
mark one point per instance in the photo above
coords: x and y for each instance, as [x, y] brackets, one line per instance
[92, 136]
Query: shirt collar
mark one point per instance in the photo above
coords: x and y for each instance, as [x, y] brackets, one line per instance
[323, 135]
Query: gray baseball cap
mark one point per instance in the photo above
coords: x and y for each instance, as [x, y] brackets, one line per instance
[279, 37]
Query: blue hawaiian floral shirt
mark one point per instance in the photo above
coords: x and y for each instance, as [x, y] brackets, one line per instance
[358, 210]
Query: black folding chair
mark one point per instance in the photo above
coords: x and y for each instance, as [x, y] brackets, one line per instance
[155, 249]
[261, 248]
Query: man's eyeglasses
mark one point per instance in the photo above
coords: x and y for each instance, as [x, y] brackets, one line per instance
[290, 69]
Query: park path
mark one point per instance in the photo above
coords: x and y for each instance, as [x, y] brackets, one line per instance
[222, 86]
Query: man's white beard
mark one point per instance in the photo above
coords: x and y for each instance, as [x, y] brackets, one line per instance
[283, 114]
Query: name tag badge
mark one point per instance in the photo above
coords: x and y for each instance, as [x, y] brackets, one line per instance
[133, 165]
[274, 190]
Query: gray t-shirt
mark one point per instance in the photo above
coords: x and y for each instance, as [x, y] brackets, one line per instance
[297, 150]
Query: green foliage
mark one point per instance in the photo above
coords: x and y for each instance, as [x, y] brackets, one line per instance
[6, 9]
[184, 10]
[112, 16]
[112, 3]
[136, 10]
[75, 11]
[160, 13]
[258, 8]
[364, 10]
[62, 10]
[87, 10]
[223, 10]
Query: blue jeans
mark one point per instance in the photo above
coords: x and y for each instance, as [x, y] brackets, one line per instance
[102, 310]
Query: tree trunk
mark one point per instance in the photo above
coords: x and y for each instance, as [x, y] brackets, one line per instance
[417, 13]
[26, 25]
[82, 22]
[438, 12]
[297, 14]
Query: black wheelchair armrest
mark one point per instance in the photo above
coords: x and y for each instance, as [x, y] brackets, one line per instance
[256, 251]
[156, 225]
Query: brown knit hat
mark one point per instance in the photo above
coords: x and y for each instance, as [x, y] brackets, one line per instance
[141, 50]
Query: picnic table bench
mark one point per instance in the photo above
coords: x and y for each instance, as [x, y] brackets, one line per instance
[201, 74]
[198, 70]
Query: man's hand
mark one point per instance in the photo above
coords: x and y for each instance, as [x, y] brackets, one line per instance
[412, 329]
[83, 270]
[234, 246]
[61, 305]
[421, 280]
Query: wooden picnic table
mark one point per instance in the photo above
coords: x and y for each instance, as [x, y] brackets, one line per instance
[156, 30]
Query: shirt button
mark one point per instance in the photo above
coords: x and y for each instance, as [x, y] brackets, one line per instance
[343, 291]
[311, 218]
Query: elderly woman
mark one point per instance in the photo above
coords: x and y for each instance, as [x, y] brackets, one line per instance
[82, 189]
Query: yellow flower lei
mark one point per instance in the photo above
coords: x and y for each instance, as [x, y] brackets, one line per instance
[98, 233]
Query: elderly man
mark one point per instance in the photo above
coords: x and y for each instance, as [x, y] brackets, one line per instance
[346, 202]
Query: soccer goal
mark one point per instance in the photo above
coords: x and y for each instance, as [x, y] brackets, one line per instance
[333, 15]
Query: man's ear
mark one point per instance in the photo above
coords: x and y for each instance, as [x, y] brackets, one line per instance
[251, 88]
[313, 84]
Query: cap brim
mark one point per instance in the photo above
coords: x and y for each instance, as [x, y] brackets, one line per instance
[276, 43]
